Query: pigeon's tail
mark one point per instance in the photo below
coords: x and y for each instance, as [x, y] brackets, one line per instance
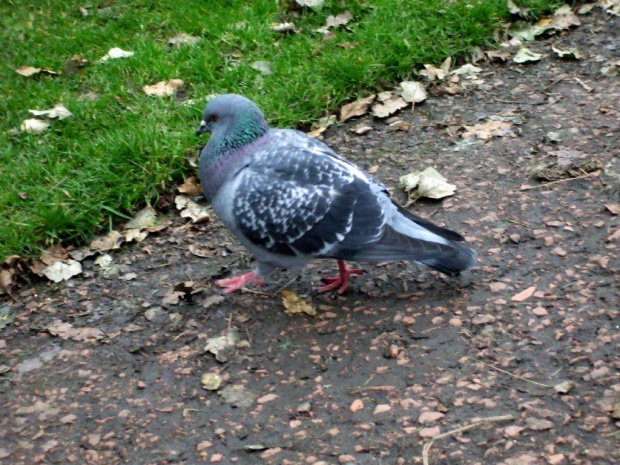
[408, 237]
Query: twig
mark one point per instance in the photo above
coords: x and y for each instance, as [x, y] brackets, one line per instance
[428, 445]
[558, 181]
[373, 388]
[555, 81]
[274, 293]
[508, 373]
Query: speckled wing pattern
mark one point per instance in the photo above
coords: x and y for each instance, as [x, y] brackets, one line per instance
[297, 197]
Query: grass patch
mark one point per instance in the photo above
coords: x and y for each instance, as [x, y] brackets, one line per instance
[119, 151]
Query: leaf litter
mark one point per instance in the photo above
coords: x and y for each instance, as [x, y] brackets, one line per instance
[190, 209]
[225, 345]
[114, 54]
[163, 88]
[295, 305]
[427, 183]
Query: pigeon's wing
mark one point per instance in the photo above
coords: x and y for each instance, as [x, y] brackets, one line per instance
[296, 198]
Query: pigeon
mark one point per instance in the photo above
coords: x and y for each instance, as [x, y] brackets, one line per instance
[289, 199]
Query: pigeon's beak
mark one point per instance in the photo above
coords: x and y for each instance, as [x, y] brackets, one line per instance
[202, 128]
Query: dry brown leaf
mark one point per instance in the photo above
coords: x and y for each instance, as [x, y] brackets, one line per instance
[284, 28]
[67, 331]
[75, 64]
[413, 92]
[58, 112]
[310, 3]
[110, 241]
[148, 220]
[610, 6]
[115, 53]
[61, 271]
[498, 54]
[222, 346]
[358, 108]
[262, 66]
[295, 304]
[238, 395]
[191, 187]
[190, 209]
[388, 106]
[431, 72]
[488, 130]
[341, 19]
[523, 295]
[28, 71]
[525, 55]
[428, 183]
[211, 381]
[163, 88]
[569, 53]
[267, 398]
[35, 126]
[182, 39]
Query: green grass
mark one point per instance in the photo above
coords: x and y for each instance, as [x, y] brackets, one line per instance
[121, 151]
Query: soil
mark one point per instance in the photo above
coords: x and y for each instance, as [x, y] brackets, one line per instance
[108, 369]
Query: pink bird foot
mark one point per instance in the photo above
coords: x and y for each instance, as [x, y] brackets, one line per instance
[236, 282]
[342, 281]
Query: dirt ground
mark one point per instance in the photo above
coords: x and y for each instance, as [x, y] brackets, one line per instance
[109, 369]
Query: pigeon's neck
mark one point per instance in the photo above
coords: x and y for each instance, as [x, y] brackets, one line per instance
[226, 149]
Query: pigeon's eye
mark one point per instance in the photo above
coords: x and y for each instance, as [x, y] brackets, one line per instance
[213, 117]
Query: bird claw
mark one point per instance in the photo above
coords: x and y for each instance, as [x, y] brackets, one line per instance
[340, 282]
[236, 282]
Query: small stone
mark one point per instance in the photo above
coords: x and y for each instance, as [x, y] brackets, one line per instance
[564, 387]
[538, 424]
[356, 405]
[513, 431]
[304, 407]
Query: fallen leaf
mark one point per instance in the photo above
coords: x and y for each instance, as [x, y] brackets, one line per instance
[190, 209]
[211, 381]
[611, 68]
[310, 3]
[361, 129]
[564, 387]
[115, 53]
[489, 129]
[267, 398]
[381, 408]
[163, 88]
[108, 268]
[262, 66]
[518, 10]
[212, 300]
[295, 304]
[466, 70]
[513, 431]
[428, 183]
[610, 6]
[28, 71]
[191, 187]
[238, 395]
[498, 54]
[523, 295]
[528, 32]
[35, 126]
[413, 92]
[67, 331]
[68, 419]
[61, 271]
[430, 417]
[222, 345]
[203, 445]
[483, 319]
[427, 433]
[339, 20]
[432, 73]
[614, 208]
[564, 18]
[570, 54]
[284, 28]
[388, 107]
[110, 241]
[356, 405]
[75, 64]
[182, 39]
[358, 108]
[148, 219]
[525, 55]
[59, 111]
[538, 424]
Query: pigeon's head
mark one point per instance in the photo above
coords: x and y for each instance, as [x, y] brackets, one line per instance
[231, 111]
